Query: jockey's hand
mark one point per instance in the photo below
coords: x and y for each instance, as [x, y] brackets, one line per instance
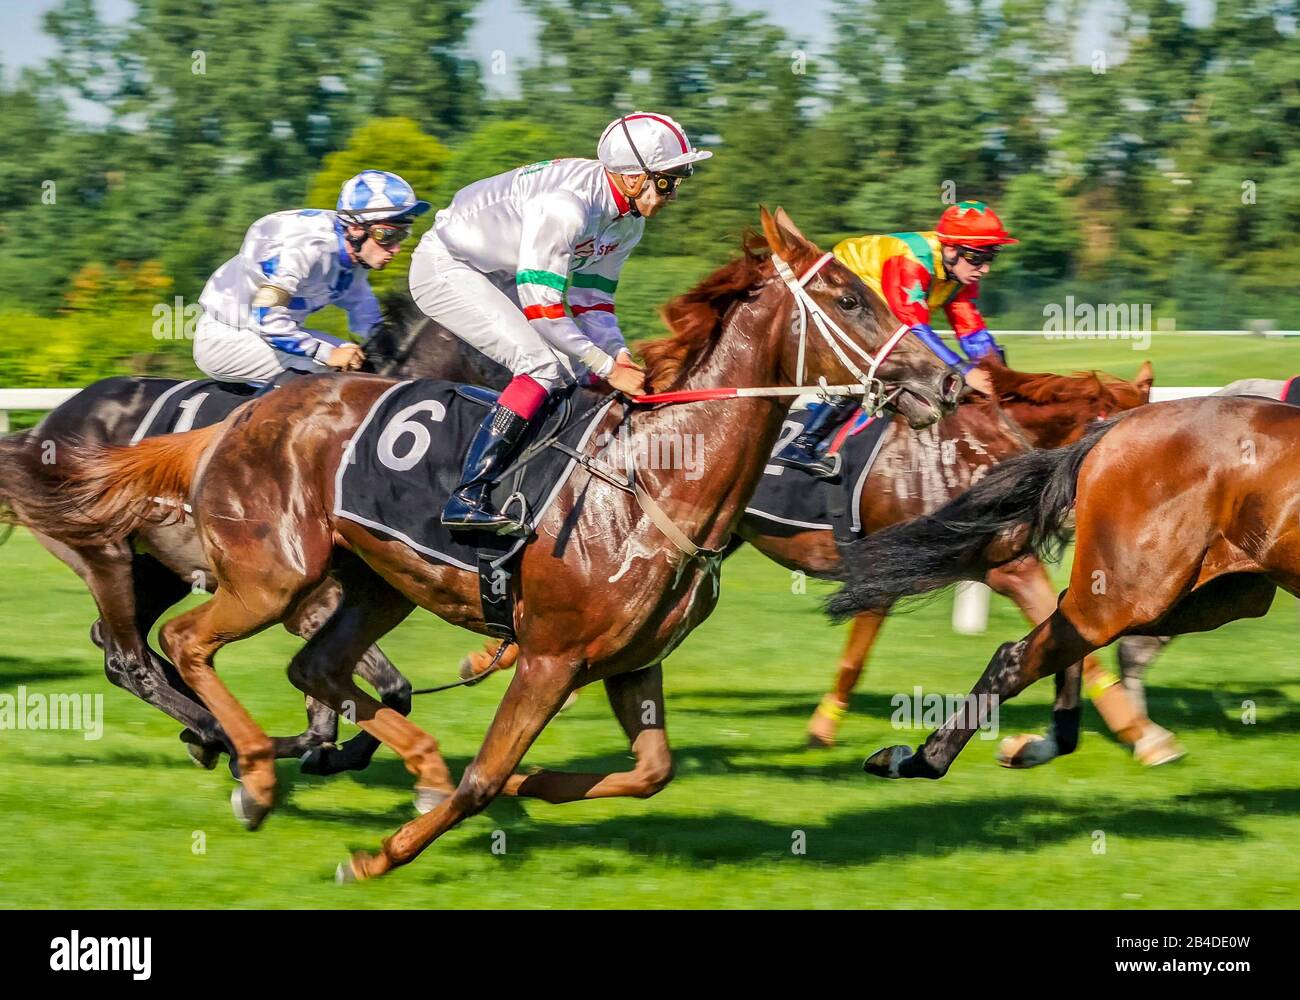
[981, 381]
[346, 357]
[627, 377]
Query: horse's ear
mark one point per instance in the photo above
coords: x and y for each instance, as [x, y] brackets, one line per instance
[1146, 378]
[783, 235]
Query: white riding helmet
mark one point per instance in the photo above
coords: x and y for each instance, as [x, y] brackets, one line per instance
[643, 141]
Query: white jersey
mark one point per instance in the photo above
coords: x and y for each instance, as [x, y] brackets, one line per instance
[549, 224]
[303, 254]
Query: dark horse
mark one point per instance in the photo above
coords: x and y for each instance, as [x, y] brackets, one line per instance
[601, 592]
[1187, 516]
[134, 580]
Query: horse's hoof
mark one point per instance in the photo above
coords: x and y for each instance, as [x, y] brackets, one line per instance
[204, 757]
[344, 874]
[247, 809]
[474, 667]
[1026, 750]
[1158, 746]
[819, 741]
[570, 701]
[885, 763]
[428, 799]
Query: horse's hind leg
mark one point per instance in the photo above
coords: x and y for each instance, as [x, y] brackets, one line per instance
[355, 754]
[536, 692]
[826, 718]
[191, 640]
[110, 575]
[1025, 581]
[638, 703]
[368, 609]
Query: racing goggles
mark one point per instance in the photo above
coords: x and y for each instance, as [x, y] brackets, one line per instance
[977, 257]
[387, 234]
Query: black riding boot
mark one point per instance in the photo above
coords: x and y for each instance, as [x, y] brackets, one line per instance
[805, 451]
[470, 507]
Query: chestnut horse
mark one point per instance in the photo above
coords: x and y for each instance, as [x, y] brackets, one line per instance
[601, 593]
[136, 579]
[1187, 516]
[911, 477]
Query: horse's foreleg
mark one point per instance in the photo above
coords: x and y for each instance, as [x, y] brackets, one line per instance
[638, 703]
[536, 692]
[394, 691]
[1136, 653]
[826, 718]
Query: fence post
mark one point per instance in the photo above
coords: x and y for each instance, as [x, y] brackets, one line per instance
[970, 608]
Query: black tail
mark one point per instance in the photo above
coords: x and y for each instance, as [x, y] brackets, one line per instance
[1020, 506]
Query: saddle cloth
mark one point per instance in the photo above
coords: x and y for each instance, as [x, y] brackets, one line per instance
[193, 404]
[405, 459]
[791, 500]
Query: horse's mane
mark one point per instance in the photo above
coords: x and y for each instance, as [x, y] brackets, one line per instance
[1048, 389]
[400, 315]
[695, 318]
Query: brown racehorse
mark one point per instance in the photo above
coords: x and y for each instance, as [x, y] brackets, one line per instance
[601, 594]
[911, 477]
[1187, 516]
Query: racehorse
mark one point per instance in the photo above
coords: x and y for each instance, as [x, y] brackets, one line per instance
[601, 593]
[136, 579]
[909, 478]
[1187, 516]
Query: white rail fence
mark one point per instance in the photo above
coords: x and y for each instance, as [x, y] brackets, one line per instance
[970, 610]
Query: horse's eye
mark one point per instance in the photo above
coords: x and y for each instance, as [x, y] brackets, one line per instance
[848, 302]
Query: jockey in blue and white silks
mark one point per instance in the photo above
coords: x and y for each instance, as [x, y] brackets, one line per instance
[291, 265]
[503, 257]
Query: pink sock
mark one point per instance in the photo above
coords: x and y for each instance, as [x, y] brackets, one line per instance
[524, 396]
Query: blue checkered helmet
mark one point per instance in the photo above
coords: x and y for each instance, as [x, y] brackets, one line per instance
[378, 194]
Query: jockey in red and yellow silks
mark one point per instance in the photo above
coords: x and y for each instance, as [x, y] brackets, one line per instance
[916, 273]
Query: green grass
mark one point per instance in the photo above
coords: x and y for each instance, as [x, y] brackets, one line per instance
[113, 822]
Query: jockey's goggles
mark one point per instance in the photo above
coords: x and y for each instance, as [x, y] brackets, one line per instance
[387, 234]
[977, 257]
[664, 181]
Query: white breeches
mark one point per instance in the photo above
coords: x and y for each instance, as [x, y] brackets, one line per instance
[234, 354]
[482, 312]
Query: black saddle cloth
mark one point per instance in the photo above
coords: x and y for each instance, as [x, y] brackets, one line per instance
[1291, 391]
[406, 457]
[193, 404]
[790, 501]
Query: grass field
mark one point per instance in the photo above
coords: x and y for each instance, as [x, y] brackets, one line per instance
[120, 821]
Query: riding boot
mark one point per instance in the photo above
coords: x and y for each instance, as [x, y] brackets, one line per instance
[806, 451]
[470, 507]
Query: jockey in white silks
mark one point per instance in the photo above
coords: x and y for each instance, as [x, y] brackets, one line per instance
[495, 266]
[291, 265]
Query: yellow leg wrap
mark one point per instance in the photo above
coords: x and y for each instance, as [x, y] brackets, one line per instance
[1099, 682]
[832, 709]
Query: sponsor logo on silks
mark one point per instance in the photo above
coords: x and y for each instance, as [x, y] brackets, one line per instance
[102, 954]
[532, 168]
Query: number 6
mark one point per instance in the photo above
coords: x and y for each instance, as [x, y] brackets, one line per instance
[401, 425]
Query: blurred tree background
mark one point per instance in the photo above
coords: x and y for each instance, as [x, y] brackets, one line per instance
[1164, 169]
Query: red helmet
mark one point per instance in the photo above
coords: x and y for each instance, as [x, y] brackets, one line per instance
[972, 224]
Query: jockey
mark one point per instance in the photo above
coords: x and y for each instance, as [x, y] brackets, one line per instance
[914, 273]
[294, 263]
[494, 270]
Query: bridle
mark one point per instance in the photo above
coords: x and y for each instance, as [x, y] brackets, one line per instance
[873, 389]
